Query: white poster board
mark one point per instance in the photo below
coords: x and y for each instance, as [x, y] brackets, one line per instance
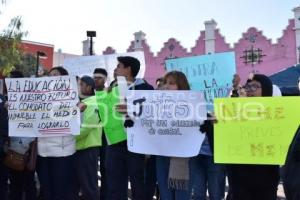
[85, 65]
[166, 122]
[43, 107]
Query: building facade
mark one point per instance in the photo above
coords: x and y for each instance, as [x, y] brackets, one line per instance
[33, 48]
[254, 52]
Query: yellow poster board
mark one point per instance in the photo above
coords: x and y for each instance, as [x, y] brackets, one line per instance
[256, 130]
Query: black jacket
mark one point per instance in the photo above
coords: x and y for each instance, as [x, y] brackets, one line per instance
[3, 122]
[141, 84]
[208, 128]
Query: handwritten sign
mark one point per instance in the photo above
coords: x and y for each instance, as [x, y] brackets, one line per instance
[111, 120]
[85, 65]
[255, 130]
[43, 107]
[166, 122]
[211, 74]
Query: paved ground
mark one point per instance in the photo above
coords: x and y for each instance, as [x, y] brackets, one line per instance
[280, 192]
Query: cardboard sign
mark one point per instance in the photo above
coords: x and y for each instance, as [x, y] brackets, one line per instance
[43, 107]
[256, 130]
[211, 74]
[166, 122]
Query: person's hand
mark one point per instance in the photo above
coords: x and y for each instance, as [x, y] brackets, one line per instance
[81, 106]
[122, 109]
[211, 117]
[208, 123]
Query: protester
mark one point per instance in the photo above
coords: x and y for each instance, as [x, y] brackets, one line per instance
[120, 163]
[55, 159]
[21, 182]
[100, 77]
[205, 174]
[173, 174]
[150, 164]
[257, 182]
[87, 144]
[3, 138]
[236, 87]
[159, 83]
[291, 169]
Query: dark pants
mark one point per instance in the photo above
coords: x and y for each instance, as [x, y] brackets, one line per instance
[254, 194]
[22, 183]
[120, 163]
[103, 188]
[3, 178]
[249, 182]
[56, 177]
[150, 177]
[291, 170]
[86, 164]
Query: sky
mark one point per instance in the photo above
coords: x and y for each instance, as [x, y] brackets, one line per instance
[64, 23]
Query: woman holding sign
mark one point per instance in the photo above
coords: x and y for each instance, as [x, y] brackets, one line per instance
[55, 157]
[173, 174]
[259, 182]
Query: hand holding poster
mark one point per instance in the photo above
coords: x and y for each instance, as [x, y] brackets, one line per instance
[211, 74]
[255, 130]
[43, 107]
[165, 122]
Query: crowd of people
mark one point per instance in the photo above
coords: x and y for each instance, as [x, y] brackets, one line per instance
[67, 166]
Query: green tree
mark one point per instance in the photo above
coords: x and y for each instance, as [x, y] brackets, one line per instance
[10, 46]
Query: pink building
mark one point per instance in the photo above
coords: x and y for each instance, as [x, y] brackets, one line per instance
[254, 52]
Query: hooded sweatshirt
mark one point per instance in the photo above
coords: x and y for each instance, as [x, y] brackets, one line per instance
[256, 176]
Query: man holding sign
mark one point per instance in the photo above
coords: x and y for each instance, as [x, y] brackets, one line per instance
[120, 163]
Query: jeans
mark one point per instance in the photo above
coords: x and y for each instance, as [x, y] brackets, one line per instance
[119, 164]
[162, 173]
[85, 164]
[205, 174]
[56, 175]
[22, 183]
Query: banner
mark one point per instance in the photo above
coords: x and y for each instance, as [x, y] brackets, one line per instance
[166, 122]
[85, 65]
[211, 74]
[43, 107]
[256, 130]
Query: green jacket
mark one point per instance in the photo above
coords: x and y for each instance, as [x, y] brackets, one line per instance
[112, 121]
[90, 130]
